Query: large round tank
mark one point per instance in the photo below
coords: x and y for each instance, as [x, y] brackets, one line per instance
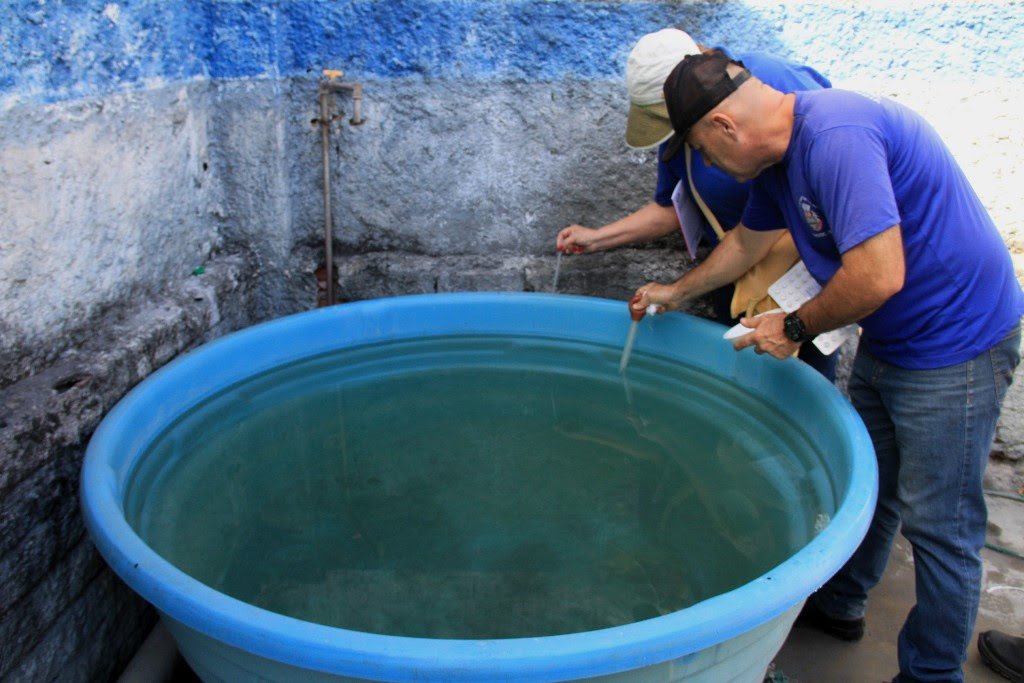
[464, 488]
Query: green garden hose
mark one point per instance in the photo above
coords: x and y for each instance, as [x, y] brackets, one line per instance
[999, 548]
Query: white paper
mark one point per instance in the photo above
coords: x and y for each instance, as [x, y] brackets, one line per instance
[739, 329]
[797, 286]
[690, 220]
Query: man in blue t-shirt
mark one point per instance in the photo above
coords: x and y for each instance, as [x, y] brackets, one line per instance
[647, 126]
[887, 223]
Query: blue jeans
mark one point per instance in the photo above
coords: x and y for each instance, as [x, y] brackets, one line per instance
[932, 431]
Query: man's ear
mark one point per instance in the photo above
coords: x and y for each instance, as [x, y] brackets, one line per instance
[723, 123]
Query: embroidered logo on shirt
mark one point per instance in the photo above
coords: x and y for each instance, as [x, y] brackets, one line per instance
[811, 216]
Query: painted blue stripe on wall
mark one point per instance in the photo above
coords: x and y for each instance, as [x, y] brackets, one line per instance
[76, 49]
[55, 51]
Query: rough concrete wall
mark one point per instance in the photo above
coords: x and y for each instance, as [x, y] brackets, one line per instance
[490, 124]
[442, 176]
[105, 201]
[256, 148]
[484, 138]
[109, 201]
[63, 615]
[141, 140]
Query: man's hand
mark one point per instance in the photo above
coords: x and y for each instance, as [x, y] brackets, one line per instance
[647, 223]
[662, 296]
[768, 336]
[575, 239]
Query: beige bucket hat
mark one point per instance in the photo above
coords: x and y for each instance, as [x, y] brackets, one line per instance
[650, 62]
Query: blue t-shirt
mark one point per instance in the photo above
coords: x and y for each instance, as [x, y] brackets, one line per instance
[857, 165]
[724, 195]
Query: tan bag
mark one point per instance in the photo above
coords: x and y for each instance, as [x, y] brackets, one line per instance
[751, 295]
[751, 289]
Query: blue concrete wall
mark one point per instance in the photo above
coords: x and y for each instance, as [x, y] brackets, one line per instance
[57, 51]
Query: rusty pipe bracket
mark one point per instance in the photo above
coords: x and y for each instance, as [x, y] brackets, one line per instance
[329, 84]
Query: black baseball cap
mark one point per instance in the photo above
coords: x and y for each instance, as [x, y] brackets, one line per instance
[696, 85]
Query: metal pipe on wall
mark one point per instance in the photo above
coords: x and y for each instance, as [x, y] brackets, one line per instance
[329, 86]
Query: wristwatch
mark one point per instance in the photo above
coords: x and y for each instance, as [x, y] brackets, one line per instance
[794, 328]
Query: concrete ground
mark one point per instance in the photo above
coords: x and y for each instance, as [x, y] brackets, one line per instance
[809, 656]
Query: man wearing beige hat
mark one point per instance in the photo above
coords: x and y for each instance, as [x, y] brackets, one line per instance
[710, 201]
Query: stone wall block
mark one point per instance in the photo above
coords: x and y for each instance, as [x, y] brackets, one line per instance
[63, 615]
[49, 537]
[93, 639]
[24, 621]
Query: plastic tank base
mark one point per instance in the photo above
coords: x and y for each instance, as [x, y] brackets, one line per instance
[743, 659]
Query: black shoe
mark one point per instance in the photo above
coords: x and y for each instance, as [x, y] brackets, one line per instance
[843, 629]
[1003, 654]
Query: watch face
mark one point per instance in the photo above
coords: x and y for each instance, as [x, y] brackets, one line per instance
[794, 328]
